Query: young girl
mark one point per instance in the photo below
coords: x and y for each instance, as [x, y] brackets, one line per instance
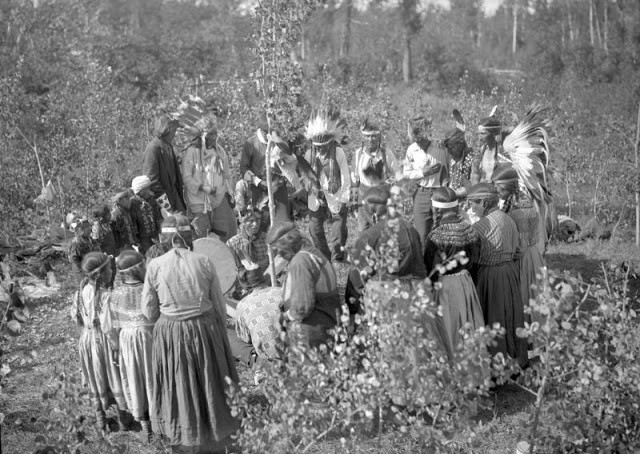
[136, 336]
[98, 342]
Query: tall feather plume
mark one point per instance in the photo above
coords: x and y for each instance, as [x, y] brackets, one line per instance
[460, 124]
[190, 113]
[527, 147]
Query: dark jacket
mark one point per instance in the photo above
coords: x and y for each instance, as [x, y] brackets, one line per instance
[161, 166]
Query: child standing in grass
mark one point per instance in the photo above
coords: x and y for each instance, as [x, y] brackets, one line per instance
[98, 342]
[136, 337]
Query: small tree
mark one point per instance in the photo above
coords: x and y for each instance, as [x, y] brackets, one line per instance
[277, 72]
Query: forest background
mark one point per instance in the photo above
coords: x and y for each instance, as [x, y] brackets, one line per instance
[82, 80]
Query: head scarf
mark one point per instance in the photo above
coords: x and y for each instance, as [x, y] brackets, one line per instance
[139, 183]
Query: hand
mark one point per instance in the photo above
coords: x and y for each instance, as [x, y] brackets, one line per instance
[432, 169]
[209, 189]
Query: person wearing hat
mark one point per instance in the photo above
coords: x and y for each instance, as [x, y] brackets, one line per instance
[249, 248]
[328, 203]
[191, 356]
[135, 339]
[146, 218]
[451, 236]
[121, 220]
[410, 264]
[373, 165]
[311, 302]
[427, 165]
[161, 165]
[205, 168]
[519, 206]
[497, 277]
[253, 170]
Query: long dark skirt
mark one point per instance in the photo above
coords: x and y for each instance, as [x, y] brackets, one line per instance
[530, 265]
[191, 359]
[460, 305]
[499, 293]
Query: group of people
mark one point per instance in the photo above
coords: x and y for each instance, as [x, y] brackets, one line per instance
[156, 343]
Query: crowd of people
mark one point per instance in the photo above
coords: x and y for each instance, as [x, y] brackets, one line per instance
[158, 341]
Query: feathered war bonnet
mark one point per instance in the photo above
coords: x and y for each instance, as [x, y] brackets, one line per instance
[324, 127]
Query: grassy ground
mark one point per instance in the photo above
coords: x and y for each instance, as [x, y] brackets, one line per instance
[41, 399]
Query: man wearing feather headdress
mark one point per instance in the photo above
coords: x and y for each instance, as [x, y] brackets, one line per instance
[205, 168]
[329, 202]
[161, 165]
[491, 133]
[428, 165]
[373, 166]
[253, 169]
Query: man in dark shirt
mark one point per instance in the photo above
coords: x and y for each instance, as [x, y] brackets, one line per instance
[253, 170]
[161, 165]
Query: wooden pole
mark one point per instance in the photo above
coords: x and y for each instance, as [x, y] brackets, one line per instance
[272, 207]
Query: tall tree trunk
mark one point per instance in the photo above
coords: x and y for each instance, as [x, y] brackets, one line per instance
[514, 43]
[562, 43]
[606, 27]
[406, 60]
[346, 36]
[570, 23]
[303, 43]
[598, 31]
[591, 37]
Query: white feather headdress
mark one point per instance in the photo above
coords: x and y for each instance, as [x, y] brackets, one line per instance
[527, 147]
[324, 127]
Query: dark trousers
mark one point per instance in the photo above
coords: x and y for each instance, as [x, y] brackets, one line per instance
[423, 214]
[280, 199]
[337, 232]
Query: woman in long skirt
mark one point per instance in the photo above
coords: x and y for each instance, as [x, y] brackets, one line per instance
[98, 342]
[191, 353]
[457, 295]
[399, 269]
[519, 206]
[497, 278]
[136, 338]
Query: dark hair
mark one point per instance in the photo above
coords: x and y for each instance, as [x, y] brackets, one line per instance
[374, 202]
[184, 238]
[128, 259]
[285, 236]
[93, 266]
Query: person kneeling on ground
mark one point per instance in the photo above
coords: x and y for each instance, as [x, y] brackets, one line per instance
[311, 301]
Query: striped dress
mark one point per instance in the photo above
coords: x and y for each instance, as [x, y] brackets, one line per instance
[136, 340]
[98, 360]
[498, 281]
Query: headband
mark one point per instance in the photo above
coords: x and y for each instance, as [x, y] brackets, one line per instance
[99, 269]
[436, 204]
[319, 144]
[132, 267]
[507, 180]
[369, 132]
[182, 228]
[488, 128]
